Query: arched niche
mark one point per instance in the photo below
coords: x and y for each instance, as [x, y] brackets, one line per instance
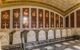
[58, 33]
[5, 38]
[31, 36]
[51, 34]
[16, 37]
[42, 35]
[64, 33]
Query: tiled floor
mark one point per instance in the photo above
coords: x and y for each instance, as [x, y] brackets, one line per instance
[69, 45]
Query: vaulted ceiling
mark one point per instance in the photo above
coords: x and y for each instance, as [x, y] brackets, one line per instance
[63, 5]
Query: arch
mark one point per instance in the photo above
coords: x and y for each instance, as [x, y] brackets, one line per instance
[58, 33]
[51, 34]
[31, 36]
[5, 38]
[42, 35]
[16, 37]
[64, 34]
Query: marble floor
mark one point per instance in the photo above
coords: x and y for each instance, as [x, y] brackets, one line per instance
[69, 45]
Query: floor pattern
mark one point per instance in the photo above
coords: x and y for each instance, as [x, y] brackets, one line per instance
[69, 45]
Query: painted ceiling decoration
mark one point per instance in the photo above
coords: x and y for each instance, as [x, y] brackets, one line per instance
[61, 6]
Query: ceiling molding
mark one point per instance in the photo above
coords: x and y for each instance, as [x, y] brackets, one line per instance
[72, 8]
[40, 4]
[31, 3]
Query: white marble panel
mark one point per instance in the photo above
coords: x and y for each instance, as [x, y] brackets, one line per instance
[31, 36]
[58, 33]
[50, 34]
[42, 35]
[5, 38]
[16, 37]
[64, 33]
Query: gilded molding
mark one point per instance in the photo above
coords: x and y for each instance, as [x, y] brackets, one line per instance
[72, 8]
[40, 4]
[31, 3]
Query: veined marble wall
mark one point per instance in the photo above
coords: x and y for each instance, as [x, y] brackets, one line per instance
[5, 38]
